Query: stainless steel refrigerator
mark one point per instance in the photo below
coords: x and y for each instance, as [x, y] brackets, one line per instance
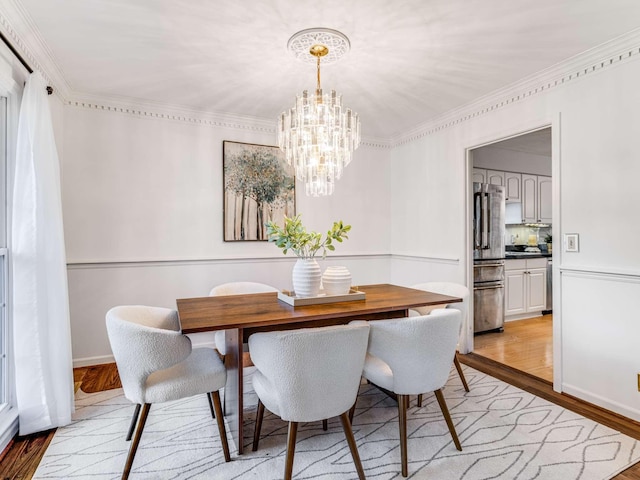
[488, 257]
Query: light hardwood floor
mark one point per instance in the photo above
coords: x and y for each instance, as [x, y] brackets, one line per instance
[525, 345]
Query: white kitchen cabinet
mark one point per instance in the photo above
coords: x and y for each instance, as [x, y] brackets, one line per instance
[479, 175]
[525, 288]
[495, 177]
[536, 199]
[513, 187]
[534, 192]
[544, 199]
[529, 198]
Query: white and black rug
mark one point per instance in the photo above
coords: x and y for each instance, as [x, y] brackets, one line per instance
[505, 432]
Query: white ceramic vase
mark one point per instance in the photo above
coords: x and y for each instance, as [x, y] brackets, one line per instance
[306, 277]
[336, 281]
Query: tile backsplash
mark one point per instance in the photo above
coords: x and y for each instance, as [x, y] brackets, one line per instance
[520, 234]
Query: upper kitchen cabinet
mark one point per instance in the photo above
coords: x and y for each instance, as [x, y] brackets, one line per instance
[479, 175]
[544, 199]
[510, 181]
[493, 177]
[513, 187]
[536, 199]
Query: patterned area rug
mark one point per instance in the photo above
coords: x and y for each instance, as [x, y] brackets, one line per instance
[505, 432]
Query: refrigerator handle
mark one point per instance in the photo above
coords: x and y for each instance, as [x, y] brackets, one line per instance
[489, 287]
[487, 202]
[477, 218]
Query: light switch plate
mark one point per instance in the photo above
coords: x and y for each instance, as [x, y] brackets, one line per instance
[571, 242]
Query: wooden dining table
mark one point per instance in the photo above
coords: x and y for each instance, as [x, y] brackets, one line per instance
[243, 315]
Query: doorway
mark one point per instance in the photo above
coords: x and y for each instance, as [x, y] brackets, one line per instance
[522, 166]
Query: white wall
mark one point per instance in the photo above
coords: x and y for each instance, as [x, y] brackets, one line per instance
[142, 201]
[596, 172]
[143, 214]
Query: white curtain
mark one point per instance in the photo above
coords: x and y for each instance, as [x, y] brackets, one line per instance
[41, 328]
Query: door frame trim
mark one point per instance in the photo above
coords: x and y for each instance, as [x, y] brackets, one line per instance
[552, 121]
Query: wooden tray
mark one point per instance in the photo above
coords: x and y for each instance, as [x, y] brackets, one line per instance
[291, 299]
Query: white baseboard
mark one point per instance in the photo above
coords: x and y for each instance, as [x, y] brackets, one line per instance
[8, 427]
[522, 316]
[204, 344]
[620, 409]
[101, 360]
[90, 361]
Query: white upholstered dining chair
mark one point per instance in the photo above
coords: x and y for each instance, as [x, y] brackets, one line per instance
[308, 375]
[235, 288]
[156, 364]
[409, 356]
[454, 290]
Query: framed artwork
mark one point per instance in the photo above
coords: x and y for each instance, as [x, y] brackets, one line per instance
[259, 187]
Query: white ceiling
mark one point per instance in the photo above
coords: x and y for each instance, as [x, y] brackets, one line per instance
[410, 60]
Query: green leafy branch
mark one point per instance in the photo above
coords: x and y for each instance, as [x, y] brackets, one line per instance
[293, 236]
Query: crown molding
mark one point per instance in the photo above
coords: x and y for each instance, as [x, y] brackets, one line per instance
[178, 113]
[591, 61]
[19, 28]
[17, 25]
[164, 111]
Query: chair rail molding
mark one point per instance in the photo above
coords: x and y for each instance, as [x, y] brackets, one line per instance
[226, 259]
[426, 258]
[613, 274]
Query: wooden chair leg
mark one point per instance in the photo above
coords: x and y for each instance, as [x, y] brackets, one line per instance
[456, 362]
[291, 449]
[325, 425]
[211, 405]
[258, 426]
[132, 427]
[447, 417]
[419, 400]
[402, 420]
[221, 428]
[351, 441]
[136, 440]
[352, 411]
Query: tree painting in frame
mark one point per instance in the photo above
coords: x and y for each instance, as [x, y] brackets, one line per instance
[259, 187]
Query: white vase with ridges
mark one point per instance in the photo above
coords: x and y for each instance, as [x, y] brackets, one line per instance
[306, 277]
[336, 281]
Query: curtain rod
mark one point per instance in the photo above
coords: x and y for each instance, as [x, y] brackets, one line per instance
[22, 60]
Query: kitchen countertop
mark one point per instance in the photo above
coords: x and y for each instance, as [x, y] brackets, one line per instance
[524, 255]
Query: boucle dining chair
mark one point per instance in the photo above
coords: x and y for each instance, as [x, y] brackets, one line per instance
[453, 290]
[308, 375]
[409, 356]
[156, 364]
[235, 288]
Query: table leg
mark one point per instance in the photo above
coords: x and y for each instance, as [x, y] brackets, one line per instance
[233, 392]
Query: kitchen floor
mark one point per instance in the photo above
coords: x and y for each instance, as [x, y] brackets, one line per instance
[525, 345]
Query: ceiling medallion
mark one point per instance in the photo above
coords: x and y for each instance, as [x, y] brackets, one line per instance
[318, 134]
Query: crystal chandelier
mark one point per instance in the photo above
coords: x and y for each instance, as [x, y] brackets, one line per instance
[318, 134]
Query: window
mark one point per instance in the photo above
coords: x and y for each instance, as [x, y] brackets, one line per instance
[8, 123]
[4, 325]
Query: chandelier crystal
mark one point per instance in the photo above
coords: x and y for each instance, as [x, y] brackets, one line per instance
[319, 134]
